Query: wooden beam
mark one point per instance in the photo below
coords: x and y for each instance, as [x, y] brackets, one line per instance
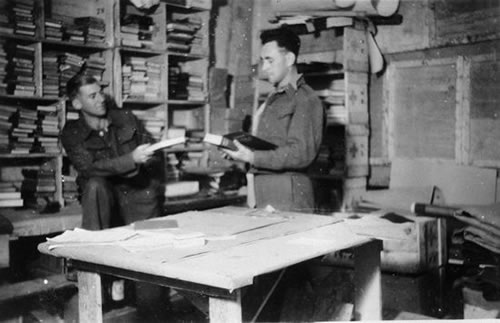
[367, 279]
[226, 309]
[90, 297]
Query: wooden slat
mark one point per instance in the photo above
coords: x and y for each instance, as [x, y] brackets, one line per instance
[4, 251]
[225, 310]
[89, 297]
[368, 300]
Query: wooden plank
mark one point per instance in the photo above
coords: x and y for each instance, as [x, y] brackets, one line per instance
[89, 297]
[226, 310]
[484, 117]
[466, 21]
[323, 41]
[367, 279]
[419, 128]
[4, 251]
[462, 128]
[355, 50]
[459, 184]
[240, 41]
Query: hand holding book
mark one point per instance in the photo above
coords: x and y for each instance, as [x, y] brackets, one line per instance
[239, 145]
[242, 153]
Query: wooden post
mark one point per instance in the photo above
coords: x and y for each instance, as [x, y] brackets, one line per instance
[225, 309]
[4, 251]
[367, 279]
[89, 297]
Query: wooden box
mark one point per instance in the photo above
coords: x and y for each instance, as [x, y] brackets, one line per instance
[411, 247]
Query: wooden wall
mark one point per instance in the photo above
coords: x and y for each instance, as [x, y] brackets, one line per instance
[438, 97]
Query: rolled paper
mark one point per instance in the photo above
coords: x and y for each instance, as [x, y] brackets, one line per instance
[433, 210]
[345, 3]
[310, 5]
[384, 8]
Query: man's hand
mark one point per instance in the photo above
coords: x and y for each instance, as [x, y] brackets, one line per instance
[141, 154]
[242, 154]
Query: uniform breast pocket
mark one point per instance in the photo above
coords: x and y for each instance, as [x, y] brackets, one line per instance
[282, 118]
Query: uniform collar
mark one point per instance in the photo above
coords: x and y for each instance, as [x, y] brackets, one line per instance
[295, 82]
[85, 129]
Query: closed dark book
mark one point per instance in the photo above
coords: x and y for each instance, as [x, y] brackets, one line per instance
[246, 139]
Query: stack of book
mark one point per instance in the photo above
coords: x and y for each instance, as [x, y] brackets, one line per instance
[5, 25]
[172, 171]
[50, 66]
[184, 86]
[3, 69]
[95, 65]
[73, 32]
[153, 121]
[140, 78]
[53, 29]
[202, 4]
[38, 184]
[182, 33]
[7, 114]
[22, 15]
[47, 134]
[93, 28]
[70, 189]
[20, 70]
[334, 100]
[9, 195]
[137, 29]
[69, 65]
[72, 115]
[153, 85]
[24, 125]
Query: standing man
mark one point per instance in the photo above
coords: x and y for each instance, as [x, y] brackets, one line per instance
[118, 177]
[292, 118]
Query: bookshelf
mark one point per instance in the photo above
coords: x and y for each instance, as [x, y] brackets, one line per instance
[153, 61]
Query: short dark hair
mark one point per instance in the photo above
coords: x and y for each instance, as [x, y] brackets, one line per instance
[76, 82]
[284, 37]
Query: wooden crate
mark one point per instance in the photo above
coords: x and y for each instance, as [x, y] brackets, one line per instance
[420, 246]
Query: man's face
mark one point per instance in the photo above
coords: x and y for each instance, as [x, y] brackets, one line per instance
[275, 62]
[90, 101]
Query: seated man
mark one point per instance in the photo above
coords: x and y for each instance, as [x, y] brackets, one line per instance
[118, 178]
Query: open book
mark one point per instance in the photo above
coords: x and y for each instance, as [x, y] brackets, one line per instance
[167, 143]
[246, 139]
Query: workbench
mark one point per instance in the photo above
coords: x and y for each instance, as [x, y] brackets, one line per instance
[241, 244]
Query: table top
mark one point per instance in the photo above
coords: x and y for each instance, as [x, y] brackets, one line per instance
[240, 244]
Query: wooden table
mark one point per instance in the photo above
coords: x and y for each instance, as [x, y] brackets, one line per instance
[247, 244]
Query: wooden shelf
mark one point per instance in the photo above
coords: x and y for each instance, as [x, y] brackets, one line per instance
[144, 101]
[185, 56]
[141, 51]
[30, 155]
[30, 98]
[72, 44]
[185, 103]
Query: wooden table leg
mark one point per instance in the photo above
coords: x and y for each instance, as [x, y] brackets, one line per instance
[367, 279]
[225, 309]
[89, 297]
